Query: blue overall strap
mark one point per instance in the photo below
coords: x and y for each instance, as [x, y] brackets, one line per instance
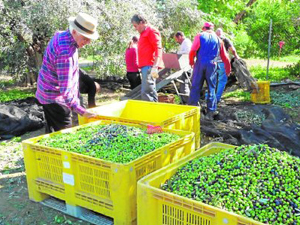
[209, 47]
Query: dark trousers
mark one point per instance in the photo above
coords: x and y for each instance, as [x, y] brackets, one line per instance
[87, 86]
[134, 79]
[184, 88]
[204, 71]
[57, 117]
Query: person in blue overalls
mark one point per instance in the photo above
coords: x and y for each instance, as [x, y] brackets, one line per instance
[206, 48]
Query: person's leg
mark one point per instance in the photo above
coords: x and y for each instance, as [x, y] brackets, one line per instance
[57, 117]
[211, 78]
[148, 90]
[134, 79]
[129, 76]
[197, 84]
[222, 81]
[91, 95]
[137, 80]
[184, 87]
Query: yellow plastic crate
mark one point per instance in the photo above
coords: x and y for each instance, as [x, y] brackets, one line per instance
[95, 184]
[262, 96]
[159, 207]
[172, 116]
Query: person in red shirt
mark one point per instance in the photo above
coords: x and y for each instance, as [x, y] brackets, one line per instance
[149, 56]
[133, 74]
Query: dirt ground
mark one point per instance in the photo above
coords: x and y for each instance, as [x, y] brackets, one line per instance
[17, 209]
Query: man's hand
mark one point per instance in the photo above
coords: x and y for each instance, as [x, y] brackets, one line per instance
[98, 87]
[192, 63]
[89, 115]
[154, 72]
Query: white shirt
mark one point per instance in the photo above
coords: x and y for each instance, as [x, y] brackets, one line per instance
[185, 47]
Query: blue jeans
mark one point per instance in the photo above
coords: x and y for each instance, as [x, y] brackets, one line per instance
[148, 91]
[204, 71]
[222, 81]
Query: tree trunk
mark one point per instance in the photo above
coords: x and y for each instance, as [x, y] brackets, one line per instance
[241, 14]
[35, 60]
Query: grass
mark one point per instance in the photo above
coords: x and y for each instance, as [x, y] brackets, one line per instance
[6, 83]
[238, 94]
[88, 68]
[288, 58]
[276, 74]
[6, 96]
[294, 58]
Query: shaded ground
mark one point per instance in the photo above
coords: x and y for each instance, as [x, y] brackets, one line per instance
[15, 207]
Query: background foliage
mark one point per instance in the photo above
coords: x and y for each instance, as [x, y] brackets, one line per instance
[27, 25]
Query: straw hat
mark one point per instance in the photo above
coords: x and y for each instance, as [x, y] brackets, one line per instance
[85, 25]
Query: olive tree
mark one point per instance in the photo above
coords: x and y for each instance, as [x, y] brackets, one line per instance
[26, 27]
[116, 29]
[178, 15]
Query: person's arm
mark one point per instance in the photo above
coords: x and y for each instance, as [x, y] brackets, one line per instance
[182, 49]
[185, 47]
[229, 45]
[233, 51]
[155, 40]
[135, 59]
[195, 47]
[179, 50]
[66, 83]
[225, 59]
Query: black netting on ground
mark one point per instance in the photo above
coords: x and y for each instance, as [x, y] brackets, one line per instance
[19, 117]
[254, 124]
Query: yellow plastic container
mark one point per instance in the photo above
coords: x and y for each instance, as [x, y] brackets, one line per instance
[262, 96]
[159, 207]
[172, 116]
[102, 186]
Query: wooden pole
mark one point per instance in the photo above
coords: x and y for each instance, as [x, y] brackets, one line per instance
[269, 49]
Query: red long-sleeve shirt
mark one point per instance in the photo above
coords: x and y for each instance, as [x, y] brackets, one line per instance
[149, 47]
[131, 60]
[223, 53]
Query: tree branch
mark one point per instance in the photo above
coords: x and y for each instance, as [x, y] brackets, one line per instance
[241, 14]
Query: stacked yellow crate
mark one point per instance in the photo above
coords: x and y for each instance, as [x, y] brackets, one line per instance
[102, 186]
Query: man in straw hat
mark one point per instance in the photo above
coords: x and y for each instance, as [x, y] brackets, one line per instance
[57, 86]
[207, 47]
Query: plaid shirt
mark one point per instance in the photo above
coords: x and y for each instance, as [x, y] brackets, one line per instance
[58, 80]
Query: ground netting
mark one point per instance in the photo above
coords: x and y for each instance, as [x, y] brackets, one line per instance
[19, 117]
[253, 124]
